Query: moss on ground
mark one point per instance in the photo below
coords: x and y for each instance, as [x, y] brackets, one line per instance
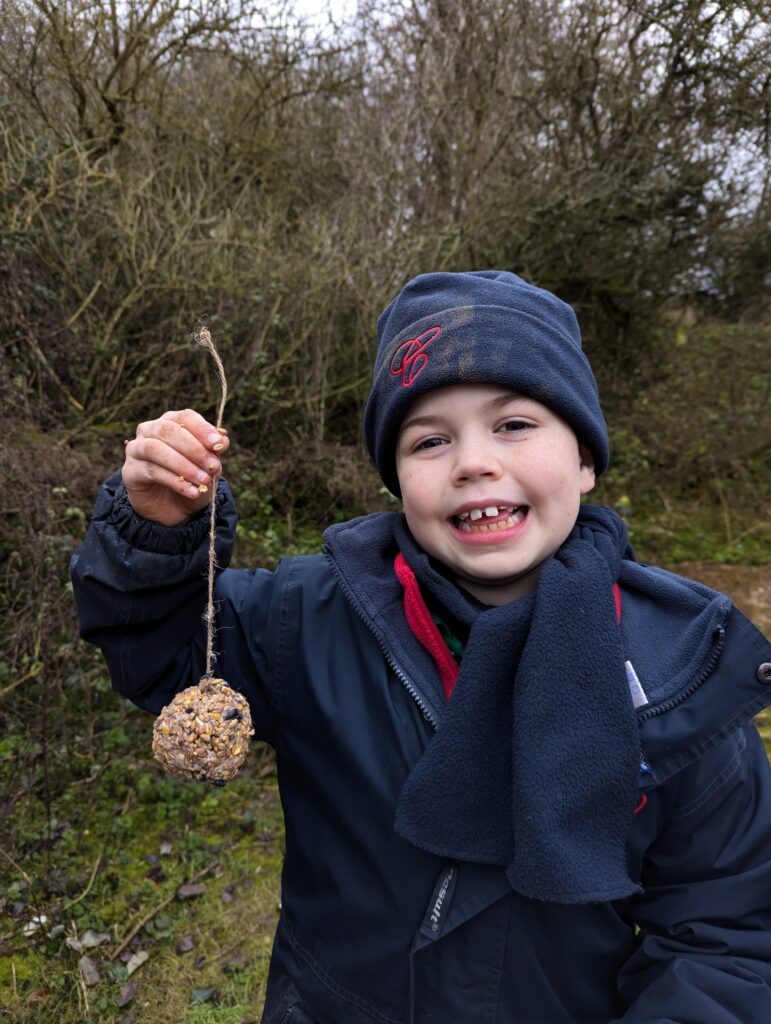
[120, 844]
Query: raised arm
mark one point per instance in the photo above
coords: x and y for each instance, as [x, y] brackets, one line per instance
[140, 575]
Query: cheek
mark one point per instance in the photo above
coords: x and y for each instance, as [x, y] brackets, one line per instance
[557, 483]
[416, 501]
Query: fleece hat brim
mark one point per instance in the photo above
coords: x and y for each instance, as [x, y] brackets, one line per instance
[479, 327]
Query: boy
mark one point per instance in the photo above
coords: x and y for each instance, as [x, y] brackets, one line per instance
[519, 775]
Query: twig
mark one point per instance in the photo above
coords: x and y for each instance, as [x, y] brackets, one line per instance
[156, 910]
[84, 304]
[53, 374]
[33, 673]
[87, 890]
[18, 867]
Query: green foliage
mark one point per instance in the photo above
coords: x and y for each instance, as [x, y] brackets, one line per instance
[691, 446]
[125, 837]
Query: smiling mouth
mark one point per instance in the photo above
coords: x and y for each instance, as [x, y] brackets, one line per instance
[490, 518]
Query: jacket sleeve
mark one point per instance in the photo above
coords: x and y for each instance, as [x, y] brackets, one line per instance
[704, 945]
[141, 592]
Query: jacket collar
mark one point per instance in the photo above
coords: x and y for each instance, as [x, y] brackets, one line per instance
[697, 657]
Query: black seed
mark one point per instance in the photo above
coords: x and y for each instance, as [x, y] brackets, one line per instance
[219, 783]
[230, 714]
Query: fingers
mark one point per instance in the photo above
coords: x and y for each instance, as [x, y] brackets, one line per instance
[210, 437]
[179, 450]
[141, 474]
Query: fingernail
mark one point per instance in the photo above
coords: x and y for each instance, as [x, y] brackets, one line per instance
[213, 439]
[217, 447]
[192, 492]
[213, 467]
[201, 477]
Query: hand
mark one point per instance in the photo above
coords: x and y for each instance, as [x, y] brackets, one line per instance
[171, 466]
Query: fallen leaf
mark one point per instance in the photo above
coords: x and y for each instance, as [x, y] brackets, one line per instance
[39, 995]
[127, 993]
[91, 939]
[185, 944]
[88, 971]
[204, 995]
[136, 961]
[73, 944]
[165, 848]
[190, 890]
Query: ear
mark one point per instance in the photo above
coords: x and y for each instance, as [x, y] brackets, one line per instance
[587, 469]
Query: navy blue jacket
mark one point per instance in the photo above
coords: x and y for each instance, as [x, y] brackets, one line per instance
[373, 929]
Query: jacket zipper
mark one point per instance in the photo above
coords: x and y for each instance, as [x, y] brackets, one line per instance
[287, 1016]
[673, 702]
[398, 672]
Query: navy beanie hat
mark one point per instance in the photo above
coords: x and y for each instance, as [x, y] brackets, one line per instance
[479, 327]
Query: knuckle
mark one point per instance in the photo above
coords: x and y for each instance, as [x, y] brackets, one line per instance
[167, 428]
[152, 448]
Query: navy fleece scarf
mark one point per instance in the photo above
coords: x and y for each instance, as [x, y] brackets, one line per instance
[535, 764]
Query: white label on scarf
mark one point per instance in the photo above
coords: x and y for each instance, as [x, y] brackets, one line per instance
[635, 688]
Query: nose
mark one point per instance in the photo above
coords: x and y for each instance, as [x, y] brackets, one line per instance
[475, 458]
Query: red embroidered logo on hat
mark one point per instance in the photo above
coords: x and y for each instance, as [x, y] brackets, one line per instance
[410, 358]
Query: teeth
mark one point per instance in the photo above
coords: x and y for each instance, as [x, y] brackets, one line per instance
[511, 520]
[490, 511]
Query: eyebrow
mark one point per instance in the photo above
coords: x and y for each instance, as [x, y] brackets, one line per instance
[430, 420]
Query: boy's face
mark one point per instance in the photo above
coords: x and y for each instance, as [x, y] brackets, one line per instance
[470, 449]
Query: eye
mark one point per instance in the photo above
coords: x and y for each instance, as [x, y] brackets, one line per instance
[514, 425]
[428, 442]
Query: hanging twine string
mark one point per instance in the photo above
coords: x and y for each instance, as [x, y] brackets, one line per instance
[204, 340]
